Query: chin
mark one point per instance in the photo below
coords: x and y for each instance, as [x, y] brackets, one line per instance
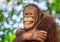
[28, 27]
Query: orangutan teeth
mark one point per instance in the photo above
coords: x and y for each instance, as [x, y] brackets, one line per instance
[27, 22]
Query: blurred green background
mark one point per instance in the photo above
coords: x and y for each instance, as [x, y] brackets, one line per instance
[11, 15]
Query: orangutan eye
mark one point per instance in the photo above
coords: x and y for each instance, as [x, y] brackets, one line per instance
[26, 14]
[30, 13]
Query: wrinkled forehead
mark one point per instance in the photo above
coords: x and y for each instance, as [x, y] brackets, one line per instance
[30, 8]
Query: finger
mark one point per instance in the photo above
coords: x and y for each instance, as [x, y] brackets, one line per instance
[43, 32]
[39, 39]
[42, 37]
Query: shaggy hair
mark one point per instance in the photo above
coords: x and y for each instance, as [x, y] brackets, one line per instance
[45, 22]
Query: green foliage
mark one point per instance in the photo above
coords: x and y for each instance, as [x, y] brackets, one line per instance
[1, 16]
[11, 13]
[19, 2]
[8, 35]
[55, 6]
[8, 1]
[1, 11]
[35, 0]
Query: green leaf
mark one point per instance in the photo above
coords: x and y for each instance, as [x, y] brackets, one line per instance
[35, 0]
[1, 11]
[11, 13]
[1, 17]
[11, 36]
[55, 6]
[19, 2]
[8, 1]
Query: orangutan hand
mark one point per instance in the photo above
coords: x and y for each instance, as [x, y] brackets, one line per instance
[38, 35]
[35, 35]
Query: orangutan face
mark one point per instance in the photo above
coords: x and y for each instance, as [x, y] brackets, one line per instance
[30, 17]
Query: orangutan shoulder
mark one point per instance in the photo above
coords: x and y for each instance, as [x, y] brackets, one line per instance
[48, 16]
[19, 31]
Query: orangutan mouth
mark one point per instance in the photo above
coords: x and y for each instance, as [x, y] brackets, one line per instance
[28, 22]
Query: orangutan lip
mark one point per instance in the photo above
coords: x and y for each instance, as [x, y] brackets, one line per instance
[28, 22]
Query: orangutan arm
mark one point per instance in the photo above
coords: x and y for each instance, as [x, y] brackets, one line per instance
[22, 36]
[37, 35]
[52, 32]
[19, 33]
[48, 24]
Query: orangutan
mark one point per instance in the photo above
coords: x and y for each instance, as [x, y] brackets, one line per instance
[38, 27]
